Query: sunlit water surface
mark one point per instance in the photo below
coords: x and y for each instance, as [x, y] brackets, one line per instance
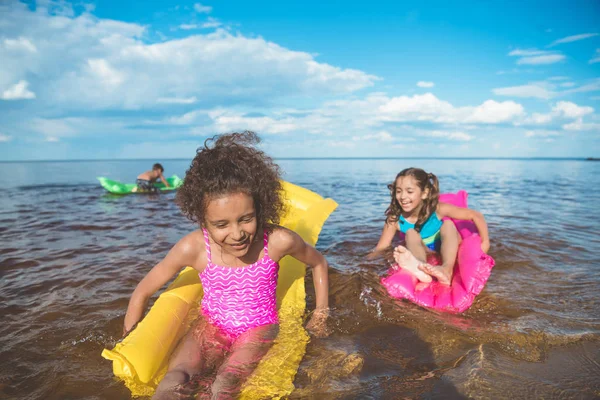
[71, 254]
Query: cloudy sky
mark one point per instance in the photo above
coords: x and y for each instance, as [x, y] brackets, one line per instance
[109, 79]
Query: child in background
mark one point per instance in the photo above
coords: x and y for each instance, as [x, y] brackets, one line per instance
[145, 181]
[233, 191]
[416, 212]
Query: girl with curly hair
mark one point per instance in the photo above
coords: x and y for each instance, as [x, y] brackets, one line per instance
[416, 212]
[233, 191]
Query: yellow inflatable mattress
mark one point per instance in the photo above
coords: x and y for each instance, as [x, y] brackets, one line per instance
[140, 360]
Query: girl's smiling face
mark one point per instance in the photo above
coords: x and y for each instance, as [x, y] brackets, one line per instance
[231, 222]
[409, 195]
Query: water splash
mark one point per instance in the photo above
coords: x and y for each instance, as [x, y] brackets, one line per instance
[370, 302]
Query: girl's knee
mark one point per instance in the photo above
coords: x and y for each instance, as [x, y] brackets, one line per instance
[448, 228]
[228, 383]
[169, 381]
[412, 235]
[448, 225]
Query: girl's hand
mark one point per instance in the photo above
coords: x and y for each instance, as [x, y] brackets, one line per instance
[485, 246]
[317, 326]
[128, 331]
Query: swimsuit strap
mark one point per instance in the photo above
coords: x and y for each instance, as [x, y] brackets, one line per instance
[266, 243]
[207, 243]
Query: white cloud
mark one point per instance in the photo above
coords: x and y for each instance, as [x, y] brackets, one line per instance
[18, 91]
[567, 84]
[531, 90]
[211, 23]
[187, 27]
[425, 84]
[517, 71]
[189, 118]
[382, 136]
[458, 136]
[562, 109]
[541, 133]
[341, 144]
[424, 107]
[5, 138]
[590, 87]
[56, 127]
[567, 109]
[579, 125]
[177, 100]
[536, 57]
[230, 121]
[159, 150]
[427, 107]
[90, 63]
[596, 58]
[69, 127]
[217, 82]
[541, 60]
[538, 119]
[492, 112]
[199, 8]
[20, 43]
[573, 38]
[527, 52]
[105, 72]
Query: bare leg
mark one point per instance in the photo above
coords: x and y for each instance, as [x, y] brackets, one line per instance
[246, 353]
[413, 255]
[450, 241]
[199, 352]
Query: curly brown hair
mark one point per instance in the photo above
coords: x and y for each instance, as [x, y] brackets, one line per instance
[231, 164]
[425, 181]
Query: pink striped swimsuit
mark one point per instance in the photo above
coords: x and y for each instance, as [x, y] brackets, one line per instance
[237, 299]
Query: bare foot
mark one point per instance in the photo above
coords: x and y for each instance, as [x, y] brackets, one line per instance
[440, 273]
[409, 262]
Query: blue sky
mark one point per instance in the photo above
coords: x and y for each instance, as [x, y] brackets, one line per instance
[114, 79]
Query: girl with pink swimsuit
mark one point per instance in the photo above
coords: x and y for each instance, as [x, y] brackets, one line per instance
[233, 190]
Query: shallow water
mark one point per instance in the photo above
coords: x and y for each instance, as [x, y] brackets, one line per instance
[71, 254]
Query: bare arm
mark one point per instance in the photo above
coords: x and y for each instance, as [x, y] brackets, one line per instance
[449, 210]
[181, 255]
[290, 243]
[162, 178]
[385, 240]
[305, 253]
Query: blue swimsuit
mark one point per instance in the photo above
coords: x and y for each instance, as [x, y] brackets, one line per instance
[430, 231]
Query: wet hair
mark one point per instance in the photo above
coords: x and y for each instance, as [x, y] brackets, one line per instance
[229, 164]
[158, 166]
[425, 181]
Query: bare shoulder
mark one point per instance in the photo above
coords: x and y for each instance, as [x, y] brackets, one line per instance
[281, 236]
[281, 241]
[192, 249]
[443, 209]
[192, 243]
[391, 223]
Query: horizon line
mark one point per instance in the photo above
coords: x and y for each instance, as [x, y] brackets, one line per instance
[316, 158]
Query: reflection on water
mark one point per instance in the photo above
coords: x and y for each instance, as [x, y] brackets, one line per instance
[70, 256]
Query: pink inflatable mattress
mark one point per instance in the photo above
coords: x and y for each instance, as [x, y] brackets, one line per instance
[471, 272]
